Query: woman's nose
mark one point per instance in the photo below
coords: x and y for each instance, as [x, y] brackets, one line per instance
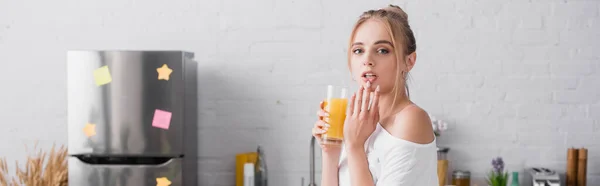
[368, 63]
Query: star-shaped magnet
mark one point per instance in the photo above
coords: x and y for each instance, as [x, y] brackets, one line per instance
[162, 181]
[89, 129]
[164, 72]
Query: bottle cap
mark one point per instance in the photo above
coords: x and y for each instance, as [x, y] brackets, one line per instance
[460, 174]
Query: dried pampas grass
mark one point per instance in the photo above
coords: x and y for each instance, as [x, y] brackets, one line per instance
[42, 169]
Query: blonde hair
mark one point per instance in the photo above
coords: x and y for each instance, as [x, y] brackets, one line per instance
[396, 23]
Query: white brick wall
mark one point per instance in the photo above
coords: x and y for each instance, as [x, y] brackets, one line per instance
[528, 69]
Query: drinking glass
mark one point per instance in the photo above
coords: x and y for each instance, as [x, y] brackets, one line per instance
[336, 105]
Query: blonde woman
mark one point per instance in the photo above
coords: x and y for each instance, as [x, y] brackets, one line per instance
[391, 143]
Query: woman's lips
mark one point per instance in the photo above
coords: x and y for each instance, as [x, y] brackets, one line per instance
[368, 76]
[369, 79]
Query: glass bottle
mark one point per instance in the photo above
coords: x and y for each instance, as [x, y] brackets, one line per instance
[261, 169]
[515, 179]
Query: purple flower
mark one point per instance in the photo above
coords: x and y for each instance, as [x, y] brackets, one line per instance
[498, 165]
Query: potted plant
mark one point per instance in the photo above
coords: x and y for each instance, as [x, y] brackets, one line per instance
[439, 126]
[46, 168]
[497, 176]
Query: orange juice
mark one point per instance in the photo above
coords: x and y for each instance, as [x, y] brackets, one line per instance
[336, 107]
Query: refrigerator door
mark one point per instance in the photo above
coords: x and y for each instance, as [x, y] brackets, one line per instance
[117, 105]
[83, 173]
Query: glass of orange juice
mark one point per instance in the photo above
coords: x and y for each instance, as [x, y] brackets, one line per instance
[335, 104]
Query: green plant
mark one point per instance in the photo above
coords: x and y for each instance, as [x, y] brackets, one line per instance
[497, 176]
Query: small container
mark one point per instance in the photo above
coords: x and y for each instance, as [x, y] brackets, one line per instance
[442, 165]
[461, 178]
[515, 179]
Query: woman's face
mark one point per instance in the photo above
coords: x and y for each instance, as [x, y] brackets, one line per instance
[372, 57]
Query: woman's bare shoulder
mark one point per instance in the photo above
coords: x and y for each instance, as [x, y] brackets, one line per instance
[412, 124]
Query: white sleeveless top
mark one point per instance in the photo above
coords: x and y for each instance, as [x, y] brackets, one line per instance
[395, 162]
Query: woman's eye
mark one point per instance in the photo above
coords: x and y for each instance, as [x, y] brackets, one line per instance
[383, 51]
[357, 51]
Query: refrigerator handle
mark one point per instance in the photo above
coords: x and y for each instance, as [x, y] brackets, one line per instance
[112, 160]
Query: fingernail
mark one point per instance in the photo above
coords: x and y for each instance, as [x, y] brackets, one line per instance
[377, 89]
[368, 84]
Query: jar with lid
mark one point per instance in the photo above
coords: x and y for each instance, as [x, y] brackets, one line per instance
[442, 165]
[461, 178]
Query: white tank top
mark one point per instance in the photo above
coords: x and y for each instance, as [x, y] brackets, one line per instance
[395, 162]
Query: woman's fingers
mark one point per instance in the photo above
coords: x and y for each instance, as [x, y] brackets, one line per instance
[350, 110]
[322, 124]
[320, 128]
[375, 104]
[358, 101]
[366, 98]
[322, 113]
[317, 132]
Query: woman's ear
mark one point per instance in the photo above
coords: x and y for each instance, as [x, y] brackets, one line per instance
[411, 59]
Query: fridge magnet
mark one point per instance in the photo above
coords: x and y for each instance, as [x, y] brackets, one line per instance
[102, 76]
[164, 72]
[162, 119]
[162, 181]
[89, 129]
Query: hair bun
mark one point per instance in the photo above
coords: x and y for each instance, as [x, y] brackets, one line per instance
[396, 9]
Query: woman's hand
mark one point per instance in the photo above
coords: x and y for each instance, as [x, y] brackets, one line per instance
[360, 118]
[330, 153]
[320, 128]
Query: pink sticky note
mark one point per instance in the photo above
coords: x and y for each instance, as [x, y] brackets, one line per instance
[162, 119]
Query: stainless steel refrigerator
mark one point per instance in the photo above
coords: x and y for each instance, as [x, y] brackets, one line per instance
[132, 118]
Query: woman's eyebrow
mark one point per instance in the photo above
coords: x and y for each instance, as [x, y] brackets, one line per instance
[377, 42]
[383, 41]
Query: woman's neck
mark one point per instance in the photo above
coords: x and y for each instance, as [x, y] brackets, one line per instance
[386, 109]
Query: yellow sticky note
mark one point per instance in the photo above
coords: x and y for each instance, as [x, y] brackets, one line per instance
[164, 72]
[162, 181]
[89, 129]
[102, 76]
